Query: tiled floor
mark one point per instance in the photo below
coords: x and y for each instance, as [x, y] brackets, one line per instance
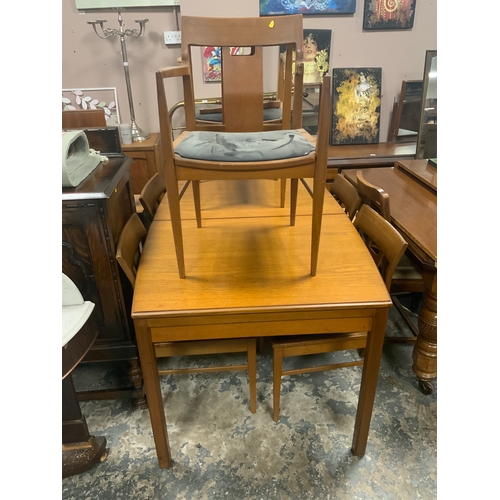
[221, 450]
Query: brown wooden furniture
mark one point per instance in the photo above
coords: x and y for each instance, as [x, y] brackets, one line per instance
[146, 156]
[93, 216]
[83, 118]
[271, 292]
[80, 450]
[391, 247]
[150, 198]
[242, 88]
[421, 170]
[128, 256]
[414, 214]
[346, 194]
[407, 277]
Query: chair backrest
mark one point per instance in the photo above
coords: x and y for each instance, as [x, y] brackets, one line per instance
[374, 196]
[128, 249]
[242, 43]
[83, 118]
[390, 244]
[347, 195]
[151, 196]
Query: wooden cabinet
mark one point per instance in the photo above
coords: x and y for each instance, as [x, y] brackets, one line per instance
[146, 156]
[93, 215]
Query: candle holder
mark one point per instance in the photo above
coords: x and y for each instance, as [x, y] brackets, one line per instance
[137, 133]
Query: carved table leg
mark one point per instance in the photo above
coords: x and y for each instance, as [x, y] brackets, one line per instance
[134, 374]
[425, 350]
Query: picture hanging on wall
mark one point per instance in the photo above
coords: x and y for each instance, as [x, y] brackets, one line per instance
[306, 7]
[388, 14]
[316, 54]
[211, 60]
[356, 105]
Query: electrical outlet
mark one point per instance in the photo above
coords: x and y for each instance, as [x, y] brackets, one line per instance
[172, 37]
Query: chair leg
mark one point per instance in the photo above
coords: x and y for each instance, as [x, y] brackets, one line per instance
[252, 373]
[282, 193]
[294, 185]
[197, 203]
[260, 345]
[277, 370]
[317, 215]
[175, 217]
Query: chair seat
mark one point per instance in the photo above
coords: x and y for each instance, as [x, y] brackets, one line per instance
[244, 146]
[269, 114]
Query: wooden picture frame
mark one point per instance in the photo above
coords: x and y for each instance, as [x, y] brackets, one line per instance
[306, 7]
[388, 14]
[356, 105]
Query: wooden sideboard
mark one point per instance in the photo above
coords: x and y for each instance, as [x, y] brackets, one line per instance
[146, 156]
[93, 215]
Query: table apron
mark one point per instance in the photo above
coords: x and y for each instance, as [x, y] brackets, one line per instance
[261, 328]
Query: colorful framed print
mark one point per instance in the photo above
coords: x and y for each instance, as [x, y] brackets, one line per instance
[389, 14]
[211, 59]
[356, 106]
[306, 7]
[316, 54]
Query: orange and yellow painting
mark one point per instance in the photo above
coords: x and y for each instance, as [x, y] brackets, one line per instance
[356, 105]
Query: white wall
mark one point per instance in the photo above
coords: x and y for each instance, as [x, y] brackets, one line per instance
[91, 62]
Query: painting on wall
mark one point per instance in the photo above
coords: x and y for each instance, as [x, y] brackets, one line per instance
[356, 105]
[212, 60]
[306, 7]
[316, 54]
[388, 14]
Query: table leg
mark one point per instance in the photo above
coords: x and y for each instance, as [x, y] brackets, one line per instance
[371, 365]
[153, 392]
[425, 350]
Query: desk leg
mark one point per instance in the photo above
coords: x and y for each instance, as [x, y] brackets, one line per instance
[425, 350]
[371, 365]
[153, 392]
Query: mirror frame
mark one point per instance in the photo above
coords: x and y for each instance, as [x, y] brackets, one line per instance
[424, 127]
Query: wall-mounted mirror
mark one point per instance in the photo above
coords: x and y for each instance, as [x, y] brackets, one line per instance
[427, 135]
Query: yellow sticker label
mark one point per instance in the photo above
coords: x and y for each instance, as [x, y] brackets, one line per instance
[271, 24]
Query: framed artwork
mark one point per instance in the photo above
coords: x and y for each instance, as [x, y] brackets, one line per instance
[306, 7]
[356, 105]
[111, 4]
[212, 60]
[388, 14]
[93, 98]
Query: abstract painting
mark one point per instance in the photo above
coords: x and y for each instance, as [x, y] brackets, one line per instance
[388, 14]
[306, 7]
[356, 105]
[211, 58]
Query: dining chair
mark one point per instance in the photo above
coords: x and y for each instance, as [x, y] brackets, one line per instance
[128, 253]
[346, 194]
[407, 277]
[391, 246]
[243, 145]
[151, 195]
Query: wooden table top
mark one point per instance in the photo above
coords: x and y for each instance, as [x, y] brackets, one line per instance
[255, 264]
[413, 208]
[245, 198]
[422, 170]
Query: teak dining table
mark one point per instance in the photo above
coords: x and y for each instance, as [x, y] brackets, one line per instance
[247, 275]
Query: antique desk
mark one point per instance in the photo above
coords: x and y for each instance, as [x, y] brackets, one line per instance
[248, 275]
[412, 189]
[93, 215]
